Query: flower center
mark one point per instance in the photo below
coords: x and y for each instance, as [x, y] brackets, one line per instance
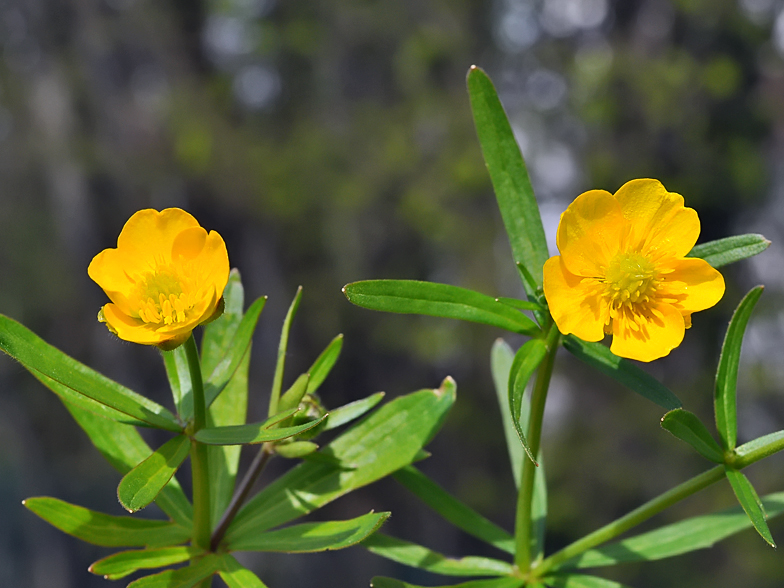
[630, 279]
[162, 299]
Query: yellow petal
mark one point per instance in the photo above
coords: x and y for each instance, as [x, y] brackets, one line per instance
[692, 285]
[661, 331]
[659, 225]
[150, 235]
[212, 264]
[188, 244]
[575, 304]
[589, 233]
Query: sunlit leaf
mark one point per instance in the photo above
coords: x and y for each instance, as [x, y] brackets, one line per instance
[124, 563]
[351, 411]
[324, 363]
[513, 190]
[623, 370]
[219, 334]
[252, 433]
[381, 582]
[682, 537]
[580, 581]
[296, 449]
[751, 503]
[186, 577]
[382, 443]
[442, 300]
[42, 359]
[178, 373]
[525, 362]
[310, 537]
[730, 249]
[501, 358]
[417, 556]
[454, 511]
[280, 364]
[141, 485]
[292, 397]
[106, 530]
[237, 576]
[687, 427]
[725, 397]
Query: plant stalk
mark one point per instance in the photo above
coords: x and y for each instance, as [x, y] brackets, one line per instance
[199, 458]
[523, 526]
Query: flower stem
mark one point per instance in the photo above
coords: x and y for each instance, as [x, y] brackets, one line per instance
[523, 527]
[239, 497]
[199, 459]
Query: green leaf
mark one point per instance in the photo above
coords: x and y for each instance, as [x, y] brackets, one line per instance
[179, 375]
[124, 448]
[623, 370]
[384, 442]
[186, 577]
[141, 485]
[237, 576]
[124, 563]
[454, 511]
[277, 380]
[687, 427]
[324, 363]
[106, 530]
[352, 410]
[411, 554]
[580, 581]
[730, 249]
[42, 359]
[725, 398]
[293, 396]
[252, 433]
[759, 442]
[525, 362]
[442, 300]
[513, 190]
[239, 348]
[678, 538]
[501, 358]
[296, 449]
[520, 304]
[218, 334]
[311, 537]
[750, 502]
[381, 582]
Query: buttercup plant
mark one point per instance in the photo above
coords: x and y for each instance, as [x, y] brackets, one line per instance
[167, 276]
[628, 267]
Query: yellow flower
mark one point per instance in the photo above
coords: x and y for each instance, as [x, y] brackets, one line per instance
[623, 270]
[165, 278]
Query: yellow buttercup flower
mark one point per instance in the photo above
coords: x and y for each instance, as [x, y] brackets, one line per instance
[622, 270]
[165, 278]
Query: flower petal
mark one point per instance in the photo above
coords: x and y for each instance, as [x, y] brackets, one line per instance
[692, 285]
[589, 233]
[657, 333]
[575, 302]
[150, 235]
[660, 226]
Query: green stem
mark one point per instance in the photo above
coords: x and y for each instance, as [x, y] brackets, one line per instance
[199, 459]
[523, 526]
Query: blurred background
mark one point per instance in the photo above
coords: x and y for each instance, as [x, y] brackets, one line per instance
[330, 142]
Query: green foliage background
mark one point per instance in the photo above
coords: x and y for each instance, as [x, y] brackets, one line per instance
[330, 142]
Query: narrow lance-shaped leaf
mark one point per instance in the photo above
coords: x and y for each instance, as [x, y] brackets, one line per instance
[252, 433]
[312, 537]
[41, 358]
[622, 370]
[725, 397]
[525, 362]
[501, 358]
[141, 485]
[237, 576]
[106, 530]
[730, 249]
[508, 582]
[387, 440]
[441, 300]
[277, 379]
[292, 397]
[186, 577]
[324, 363]
[124, 448]
[124, 563]
[580, 581]
[750, 502]
[678, 538]
[454, 511]
[687, 427]
[218, 334]
[231, 362]
[513, 190]
[351, 411]
[178, 373]
[417, 556]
